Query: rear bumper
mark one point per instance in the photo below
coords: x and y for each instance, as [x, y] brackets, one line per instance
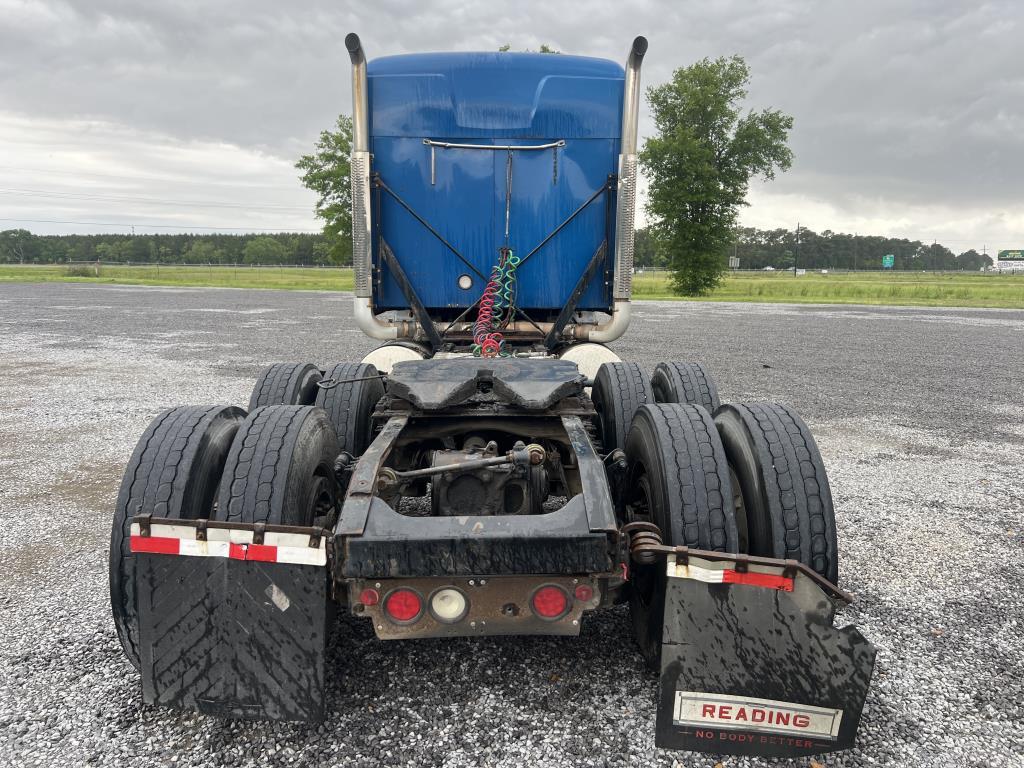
[495, 605]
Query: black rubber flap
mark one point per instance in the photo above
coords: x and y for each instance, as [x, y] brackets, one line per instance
[755, 670]
[232, 638]
[439, 383]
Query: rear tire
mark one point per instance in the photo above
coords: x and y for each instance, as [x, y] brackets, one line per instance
[685, 383]
[285, 384]
[678, 479]
[784, 491]
[349, 405]
[619, 389]
[280, 469]
[173, 473]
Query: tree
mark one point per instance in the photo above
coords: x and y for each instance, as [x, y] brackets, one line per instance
[264, 250]
[544, 48]
[327, 173]
[202, 252]
[17, 245]
[972, 260]
[644, 253]
[117, 250]
[700, 163]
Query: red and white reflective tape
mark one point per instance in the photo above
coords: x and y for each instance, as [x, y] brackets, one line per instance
[721, 573]
[234, 544]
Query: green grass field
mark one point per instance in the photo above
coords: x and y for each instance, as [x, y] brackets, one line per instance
[919, 289]
[893, 288]
[281, 278]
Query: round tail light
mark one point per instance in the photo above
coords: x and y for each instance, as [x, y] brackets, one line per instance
[550, 602]
[448, 605]
[369, 596]
[403, 606]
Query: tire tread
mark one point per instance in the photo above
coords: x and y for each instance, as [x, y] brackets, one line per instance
[624, 387]
[156, 481]
[687, 383]
[278, 385]
[258, 462]
[796, 485]
[349, 405]
[687, 436]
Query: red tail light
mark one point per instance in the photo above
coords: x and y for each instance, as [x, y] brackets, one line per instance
[550, 602]
[403, 605]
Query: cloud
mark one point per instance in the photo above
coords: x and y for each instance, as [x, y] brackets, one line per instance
[93, 176]
[905, 112]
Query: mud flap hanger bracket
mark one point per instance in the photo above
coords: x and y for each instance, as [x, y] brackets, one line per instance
[645, 548]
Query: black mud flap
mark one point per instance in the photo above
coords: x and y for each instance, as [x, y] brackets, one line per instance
[751, 664]
[233, 638]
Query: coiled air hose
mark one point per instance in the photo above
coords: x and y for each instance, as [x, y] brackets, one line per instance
[497, 307]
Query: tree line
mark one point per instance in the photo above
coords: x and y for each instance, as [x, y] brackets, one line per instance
[755, 248]
[781, 249]
[19, 246]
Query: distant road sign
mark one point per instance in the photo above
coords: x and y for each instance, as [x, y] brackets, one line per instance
[734, 262]
[888, 260]
[1010, 261]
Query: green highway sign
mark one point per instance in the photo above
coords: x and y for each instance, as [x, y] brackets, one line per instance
[888, 260]
[1017, 255]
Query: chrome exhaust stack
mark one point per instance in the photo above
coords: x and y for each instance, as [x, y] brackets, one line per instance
[625, 210]
[625, 207]
[362, 224]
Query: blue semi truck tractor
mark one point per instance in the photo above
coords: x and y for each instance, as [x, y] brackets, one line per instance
[492, 468]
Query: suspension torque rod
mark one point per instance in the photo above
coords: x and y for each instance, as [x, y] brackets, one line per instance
[493, 461]
[524, 456]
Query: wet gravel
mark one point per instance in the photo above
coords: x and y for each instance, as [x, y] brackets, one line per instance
[919, 414]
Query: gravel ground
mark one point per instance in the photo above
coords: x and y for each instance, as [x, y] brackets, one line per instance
[918, 412]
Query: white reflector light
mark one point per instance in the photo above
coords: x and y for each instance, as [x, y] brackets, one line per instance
[448, 605]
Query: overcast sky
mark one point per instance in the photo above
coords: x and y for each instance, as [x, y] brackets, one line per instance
[909, 116]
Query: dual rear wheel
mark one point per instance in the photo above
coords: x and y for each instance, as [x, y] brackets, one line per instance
[740, 478]
[274, 465]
